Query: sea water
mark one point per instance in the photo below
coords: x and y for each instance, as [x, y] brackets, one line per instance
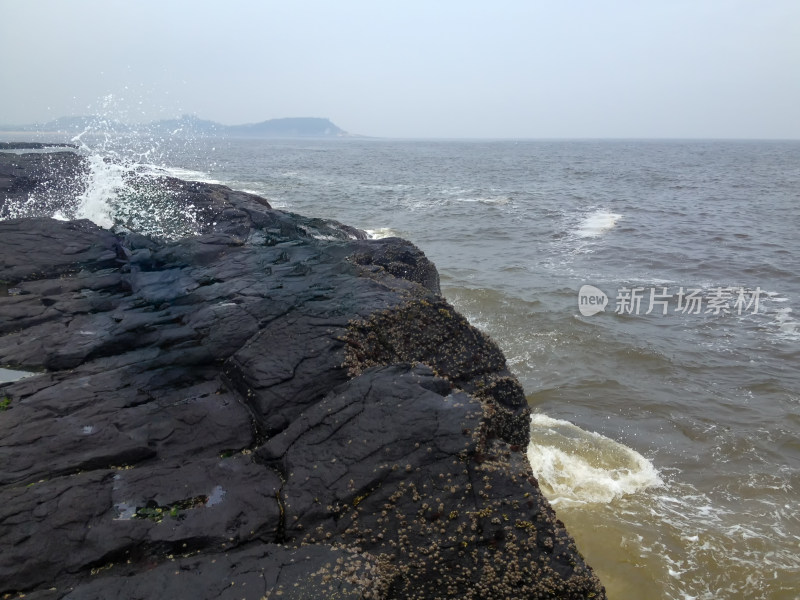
[666, 427]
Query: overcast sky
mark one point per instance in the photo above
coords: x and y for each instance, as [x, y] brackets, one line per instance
[442, 69]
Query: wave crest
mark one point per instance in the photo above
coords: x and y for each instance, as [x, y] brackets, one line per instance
[597, 223]
[575, 466]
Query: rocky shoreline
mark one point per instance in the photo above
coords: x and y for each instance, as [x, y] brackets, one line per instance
[271, 407]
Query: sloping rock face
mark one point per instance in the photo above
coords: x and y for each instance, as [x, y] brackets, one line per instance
[274, 407]
[43, 182]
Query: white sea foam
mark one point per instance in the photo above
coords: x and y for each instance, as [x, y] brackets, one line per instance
[380, 233]
[575, 466]
[787, 326]
[721, 533]
[597, 223]
[488, 200]
[189, 174]
[104, 182]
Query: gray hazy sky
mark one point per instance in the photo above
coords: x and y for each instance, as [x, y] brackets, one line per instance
[561, 68]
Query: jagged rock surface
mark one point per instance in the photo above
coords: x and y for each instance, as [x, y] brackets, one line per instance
[274, 407]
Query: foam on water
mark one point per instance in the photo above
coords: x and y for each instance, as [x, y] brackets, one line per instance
[734, 540]
[488, 200]
[787, 326]
[575, 466]
[187, 174]
[380, 233]
[742, 541]
[597, 223]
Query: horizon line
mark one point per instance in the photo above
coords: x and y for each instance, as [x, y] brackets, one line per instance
[360, 137]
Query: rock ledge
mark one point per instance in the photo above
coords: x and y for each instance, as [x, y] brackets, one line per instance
[274, 407]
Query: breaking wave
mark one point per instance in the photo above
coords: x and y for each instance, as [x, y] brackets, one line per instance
[575, 466]
[597, 223]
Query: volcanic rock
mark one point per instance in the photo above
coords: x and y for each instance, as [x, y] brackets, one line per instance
[270, 407]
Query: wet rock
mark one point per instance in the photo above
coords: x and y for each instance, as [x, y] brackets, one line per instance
[266, 571]
[273, 407]
[33, 145]
[44, 182]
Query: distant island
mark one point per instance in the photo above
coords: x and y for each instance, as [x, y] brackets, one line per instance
[292, 127]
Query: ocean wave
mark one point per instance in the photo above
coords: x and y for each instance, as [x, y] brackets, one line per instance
[786, 326]
[742, 541]
[575, 466]
[678, 542]
[185, 174]
[381, 232]
[488, 200]
[597, 223]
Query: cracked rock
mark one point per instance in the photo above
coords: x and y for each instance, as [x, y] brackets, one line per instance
[271, 407]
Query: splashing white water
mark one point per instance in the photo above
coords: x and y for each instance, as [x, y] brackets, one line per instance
[380, 233]
[597, 223]
[104, 182]
[187, 175]
[123, 187]
[575, 466]
[128, 196]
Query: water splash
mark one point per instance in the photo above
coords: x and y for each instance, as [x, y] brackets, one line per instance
[597, 223]
[575, 466]
[124, 186]
[380, 233]
[103, 184]
[124, 196]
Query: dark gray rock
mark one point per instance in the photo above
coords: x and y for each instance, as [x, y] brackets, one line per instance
[274, 407]
[264, 571]
[34, 145]
[46, 182]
